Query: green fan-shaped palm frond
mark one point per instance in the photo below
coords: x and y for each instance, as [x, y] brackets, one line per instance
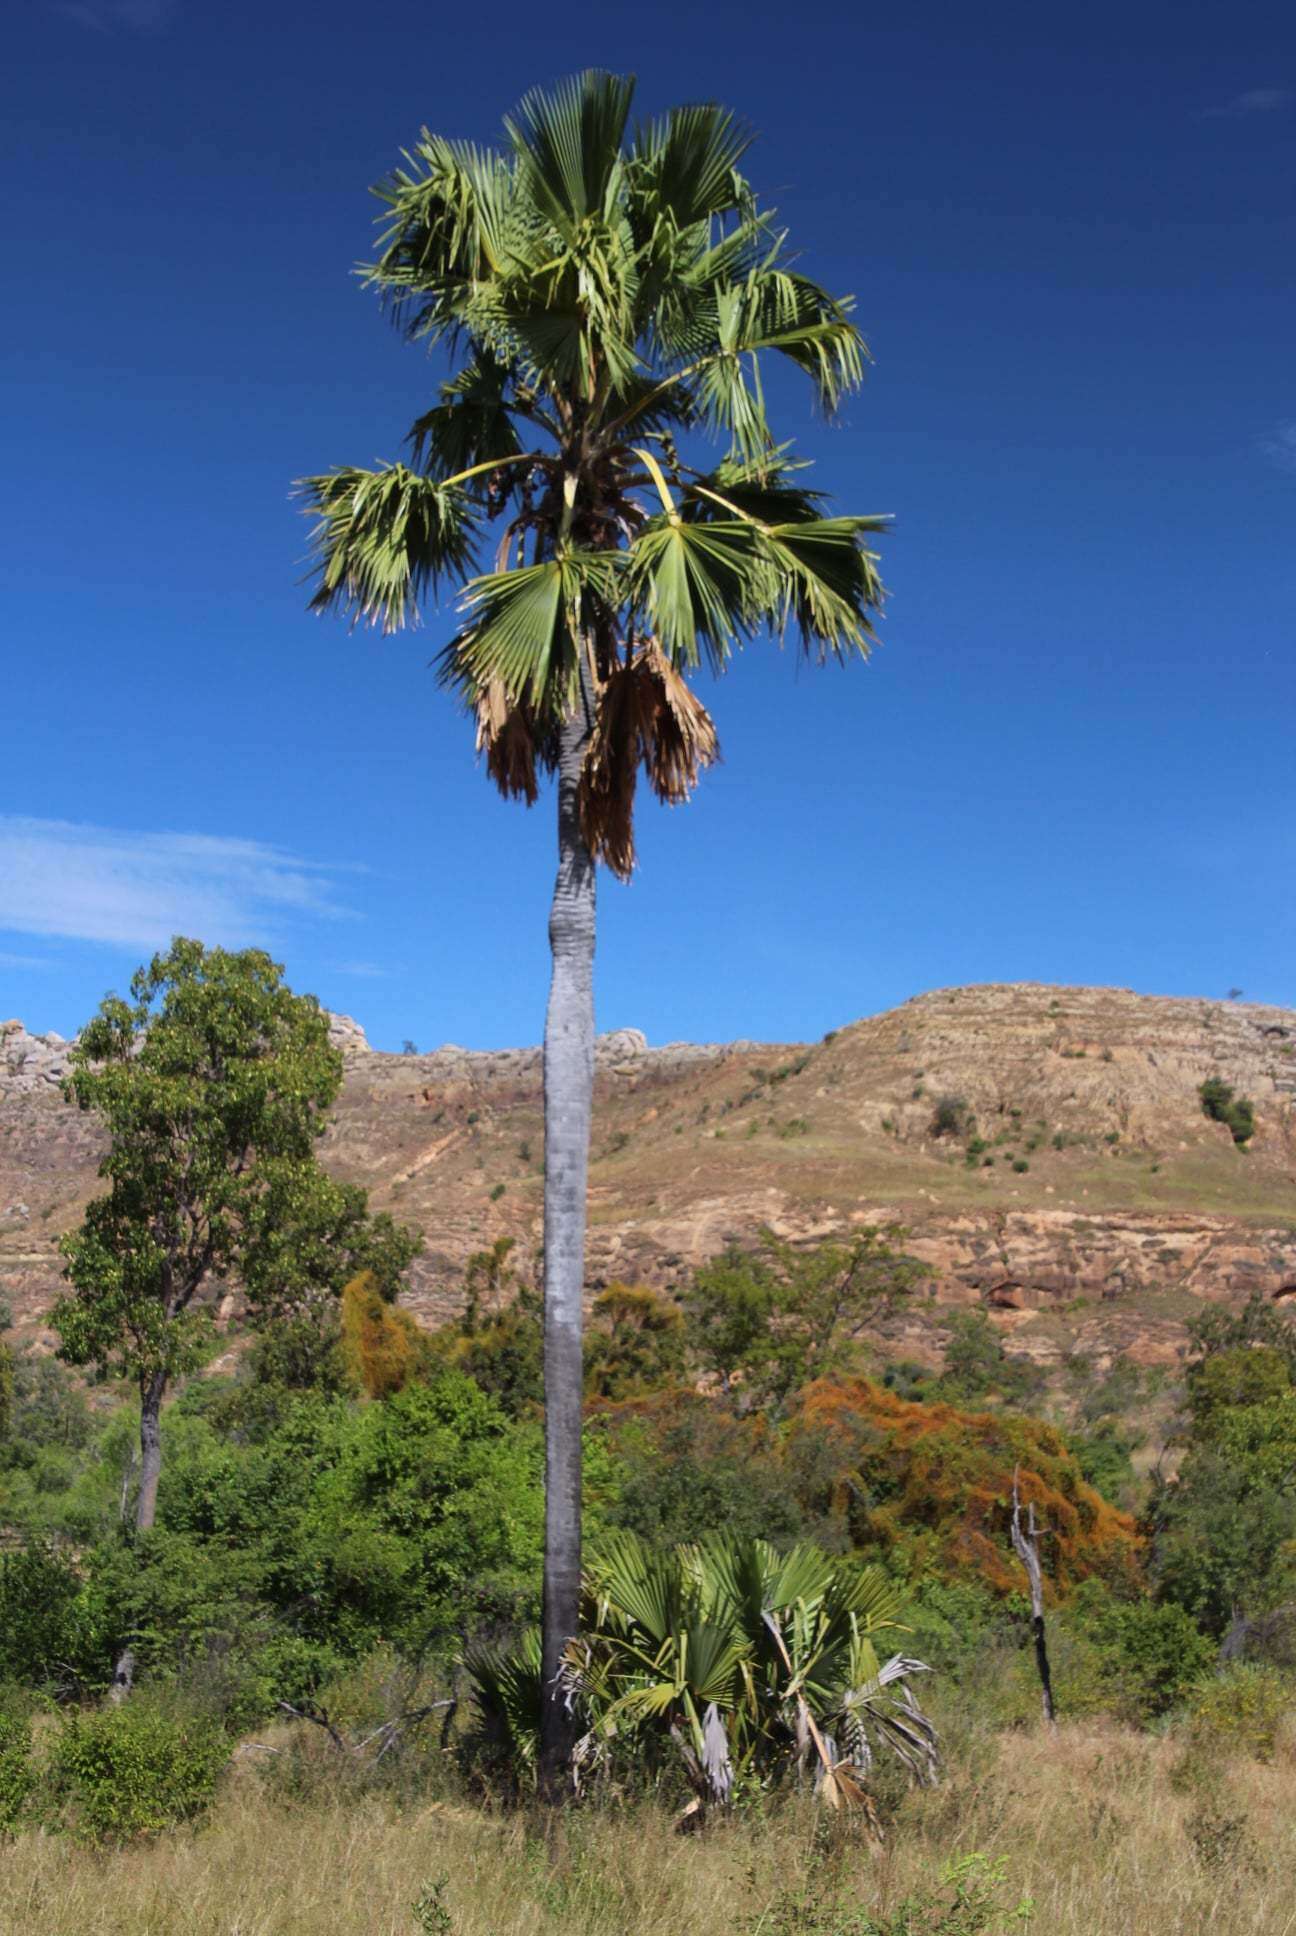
[787, 312]
[868, 1596]
[760, 488]
[685, 166]
[828, 582]
[639, 1584]
[568, 143]
[452, 223]
[506, 1695]
[523, 628]
[473, 423]
[384, 537]
[700, 587]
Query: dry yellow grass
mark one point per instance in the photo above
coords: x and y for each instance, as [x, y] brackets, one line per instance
[1090, 1821]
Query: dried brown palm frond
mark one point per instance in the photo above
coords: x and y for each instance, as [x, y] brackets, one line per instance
[506, 734]
[646, 716]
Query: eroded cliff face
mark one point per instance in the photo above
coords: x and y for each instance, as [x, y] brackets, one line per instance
[1096, 1207]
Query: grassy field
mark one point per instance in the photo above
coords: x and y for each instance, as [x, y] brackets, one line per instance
[1110, 1833]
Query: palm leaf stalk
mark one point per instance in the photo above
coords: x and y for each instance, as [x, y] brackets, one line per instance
[605, 298]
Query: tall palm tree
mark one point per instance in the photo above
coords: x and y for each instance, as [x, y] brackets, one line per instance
[604, 298]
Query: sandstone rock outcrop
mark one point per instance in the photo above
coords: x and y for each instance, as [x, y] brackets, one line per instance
[1084, 1201]
[30, 1062]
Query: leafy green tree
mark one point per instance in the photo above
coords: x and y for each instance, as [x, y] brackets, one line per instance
[491, 1282]
[684, 1465]
[777, 1318]
[636, 1342]
[1103, 1457]
[17, 1776]
[1233, 1380]
[49, 1409]
[1224, 1530]
[731, 1304]
[1216, 1331]
[1224, 1535]
[306, 1236]
[505, 1355]
[498, 1340]
[39, 1591]
[603, 296]
[214, 1074]
[1150, 1653]
[978, 1368]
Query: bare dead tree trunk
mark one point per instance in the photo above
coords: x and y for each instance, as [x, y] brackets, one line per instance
[152, 1392]
[568, 1099]
[1026, 1546]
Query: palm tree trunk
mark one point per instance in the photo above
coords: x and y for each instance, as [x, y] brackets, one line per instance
[152, 1392]
[568, 1098]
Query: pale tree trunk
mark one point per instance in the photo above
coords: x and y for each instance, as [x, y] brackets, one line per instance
[568, 1098]
[1026, 1546]
[152, 1392]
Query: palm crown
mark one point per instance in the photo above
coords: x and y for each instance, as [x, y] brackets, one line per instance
[605, 299]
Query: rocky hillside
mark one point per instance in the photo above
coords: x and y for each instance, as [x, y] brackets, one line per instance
[1045, 1147]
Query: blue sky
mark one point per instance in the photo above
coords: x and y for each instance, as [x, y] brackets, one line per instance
[1072, 237]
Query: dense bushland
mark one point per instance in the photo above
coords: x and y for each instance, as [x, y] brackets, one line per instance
[786, 1533]
[381, 1500]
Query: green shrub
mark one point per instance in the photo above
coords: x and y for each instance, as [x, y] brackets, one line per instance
[120, 1772]
[969, 1900]
[429, 1910]
[16, 1776]
[1222, 1106]
[1238, 1710]
[1151, 1656]
[1020, 1166]
[51, 1624]
[1104, 1458]
[950, 1117]
[1081, 1673]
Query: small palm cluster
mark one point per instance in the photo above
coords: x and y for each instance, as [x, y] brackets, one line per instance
[742, 1664]
[604, 298]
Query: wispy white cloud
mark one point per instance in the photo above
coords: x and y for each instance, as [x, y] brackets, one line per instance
[1280, 445]
[136, 890]
[1256, 100]
[366, 970]
[107, 16]
[23, 961]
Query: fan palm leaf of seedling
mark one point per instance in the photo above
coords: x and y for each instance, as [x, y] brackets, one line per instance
[507, 1699]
